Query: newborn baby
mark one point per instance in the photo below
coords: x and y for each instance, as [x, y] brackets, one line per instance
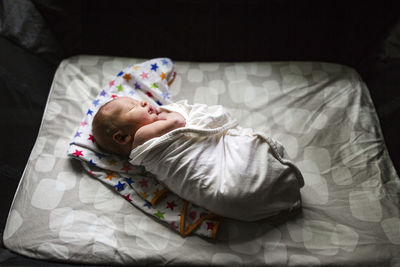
[201, 154]
[125, 123]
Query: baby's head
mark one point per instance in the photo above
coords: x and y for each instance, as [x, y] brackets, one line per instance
[115, 124]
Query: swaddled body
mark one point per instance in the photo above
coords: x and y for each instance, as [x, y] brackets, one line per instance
[218, 165]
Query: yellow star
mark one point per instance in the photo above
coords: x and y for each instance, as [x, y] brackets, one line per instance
[135, 67]
[127, 77]
[162, 76]
[144, 195]
[110, 175]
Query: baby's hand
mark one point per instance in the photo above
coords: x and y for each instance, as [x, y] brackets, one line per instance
[175, 118]
[167, 121]
[163, 115]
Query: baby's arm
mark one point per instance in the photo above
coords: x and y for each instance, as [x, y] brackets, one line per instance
[167, 121]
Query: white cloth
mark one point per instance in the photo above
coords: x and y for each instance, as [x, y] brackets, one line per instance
[218, 165]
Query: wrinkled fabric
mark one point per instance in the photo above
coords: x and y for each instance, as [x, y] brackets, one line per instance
[220, 166]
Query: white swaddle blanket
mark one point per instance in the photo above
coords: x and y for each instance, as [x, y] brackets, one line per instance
[216, 164]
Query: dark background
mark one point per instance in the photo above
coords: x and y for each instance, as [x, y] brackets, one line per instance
[35, 35]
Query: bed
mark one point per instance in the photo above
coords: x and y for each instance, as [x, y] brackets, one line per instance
[321, 112]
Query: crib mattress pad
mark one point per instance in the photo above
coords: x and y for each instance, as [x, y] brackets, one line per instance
[321, 112]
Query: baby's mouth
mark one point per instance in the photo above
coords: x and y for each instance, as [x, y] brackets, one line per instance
[151, 110]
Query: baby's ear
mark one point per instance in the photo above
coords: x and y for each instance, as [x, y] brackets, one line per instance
[120, 138]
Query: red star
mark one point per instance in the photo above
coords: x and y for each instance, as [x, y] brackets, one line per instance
[126, 168]
[149, 94]
[111, 83]
[83, 123]
[210, 226]
[144, 75]
[77, 153]
[127, 197]
[91, 138]
[143, 183]
[114, 96]
[171, 205]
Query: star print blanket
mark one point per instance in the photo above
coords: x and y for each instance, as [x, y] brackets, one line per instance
[146, 81]
[230, 170]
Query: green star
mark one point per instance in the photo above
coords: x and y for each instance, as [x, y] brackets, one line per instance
[159, 215]
[120, 88]
[154, 85]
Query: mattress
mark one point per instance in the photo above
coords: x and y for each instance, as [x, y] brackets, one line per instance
[321, 112]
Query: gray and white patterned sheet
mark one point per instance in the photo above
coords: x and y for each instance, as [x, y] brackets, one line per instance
[321, 112]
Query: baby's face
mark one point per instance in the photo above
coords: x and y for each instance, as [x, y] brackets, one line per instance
[132, 114]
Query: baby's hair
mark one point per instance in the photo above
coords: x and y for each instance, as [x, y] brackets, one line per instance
[103, 128]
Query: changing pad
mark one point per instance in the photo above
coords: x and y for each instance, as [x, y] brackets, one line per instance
[322, 113]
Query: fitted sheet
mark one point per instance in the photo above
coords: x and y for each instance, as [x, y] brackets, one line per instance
[322, 113]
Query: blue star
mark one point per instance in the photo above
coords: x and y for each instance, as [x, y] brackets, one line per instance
[137, 86]
[96, 102]
[78, 134]
[164, 61]
[90, 112]
[128, 180]
[159, 103]
[131, 92]
[120, 74]
[154, 67]
[147, 204]
[91, 162]
[103, 93]
[120, 186]
[165, 95]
